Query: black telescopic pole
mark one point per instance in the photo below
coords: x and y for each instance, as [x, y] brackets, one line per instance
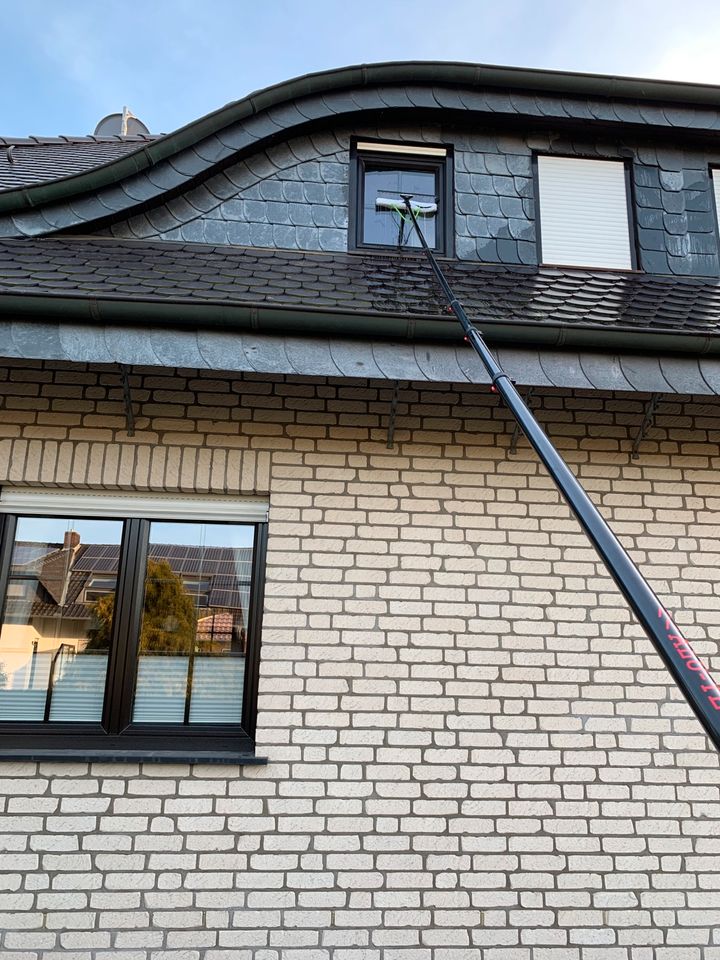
[685, 667]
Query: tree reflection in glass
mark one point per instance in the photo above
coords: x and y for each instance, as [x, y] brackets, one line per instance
[192, 637]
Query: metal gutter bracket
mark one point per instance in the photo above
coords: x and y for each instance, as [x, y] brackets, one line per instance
[647, 422]
[127, 397]
[392, 415]
[516, 432]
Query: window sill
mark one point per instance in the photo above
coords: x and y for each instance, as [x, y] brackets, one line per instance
[400, 251]
[124, 756]
[594, 267]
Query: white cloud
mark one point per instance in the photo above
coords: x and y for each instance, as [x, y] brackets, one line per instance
[693, 59]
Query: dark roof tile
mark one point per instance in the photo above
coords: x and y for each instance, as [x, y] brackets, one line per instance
[28, 160]
[360, 283]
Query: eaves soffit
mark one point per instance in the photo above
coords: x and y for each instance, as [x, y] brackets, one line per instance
[121, 282]
[170, 163]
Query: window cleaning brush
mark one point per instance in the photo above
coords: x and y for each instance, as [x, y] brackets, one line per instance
[398, 206]
[408, 209]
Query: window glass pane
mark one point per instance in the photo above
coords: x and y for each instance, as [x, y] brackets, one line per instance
[54, 639]
[387, 226]
[191, 657]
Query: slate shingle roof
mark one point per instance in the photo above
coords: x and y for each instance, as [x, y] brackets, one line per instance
[350, 283]
[28, 160]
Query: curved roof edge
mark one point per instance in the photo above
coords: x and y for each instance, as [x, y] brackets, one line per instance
[296, 353]
[357, 77]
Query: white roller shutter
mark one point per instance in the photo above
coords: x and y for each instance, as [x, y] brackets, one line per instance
[584, 213]
[95, 503]
[716, 188]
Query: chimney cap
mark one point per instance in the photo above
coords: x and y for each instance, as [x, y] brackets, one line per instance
[71, 540]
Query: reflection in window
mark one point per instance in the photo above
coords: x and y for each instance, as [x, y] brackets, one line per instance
[191, 665]
[54, 643]
[388, 227]
[99, 587]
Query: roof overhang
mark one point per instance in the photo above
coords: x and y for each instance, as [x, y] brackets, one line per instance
[168, 285]
[173, 161]
[152, 345]
[22, 315]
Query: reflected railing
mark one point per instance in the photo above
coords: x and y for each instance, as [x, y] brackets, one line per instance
[189, 688]
[62, 685]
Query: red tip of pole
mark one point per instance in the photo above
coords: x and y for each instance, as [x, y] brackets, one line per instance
[493, 389]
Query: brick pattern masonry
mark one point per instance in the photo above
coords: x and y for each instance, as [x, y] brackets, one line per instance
[474, 755]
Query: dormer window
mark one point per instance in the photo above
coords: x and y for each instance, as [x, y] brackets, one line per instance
[584, 213]
[382, 173]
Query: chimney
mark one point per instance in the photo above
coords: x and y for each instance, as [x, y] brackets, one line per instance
[71, 540]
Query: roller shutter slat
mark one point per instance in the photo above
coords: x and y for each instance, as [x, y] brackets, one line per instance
[584, 213]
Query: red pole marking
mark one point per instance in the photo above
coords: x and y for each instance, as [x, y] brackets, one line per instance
[691, 661]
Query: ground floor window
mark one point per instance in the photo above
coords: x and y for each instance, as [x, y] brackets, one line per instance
[129, 623]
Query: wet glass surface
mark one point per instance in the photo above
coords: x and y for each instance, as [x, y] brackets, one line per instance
[389, 227]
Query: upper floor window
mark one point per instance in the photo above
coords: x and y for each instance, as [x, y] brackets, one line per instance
[129, 623]
[382, 173]
[584, 213]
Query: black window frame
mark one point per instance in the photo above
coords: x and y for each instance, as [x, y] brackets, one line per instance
[116, 737]
[630, 204]
[443, 167]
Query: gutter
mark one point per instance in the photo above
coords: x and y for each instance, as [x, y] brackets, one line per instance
[469, 75]
[289, 320]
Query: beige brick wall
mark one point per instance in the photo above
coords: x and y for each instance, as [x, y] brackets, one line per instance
[474, 754]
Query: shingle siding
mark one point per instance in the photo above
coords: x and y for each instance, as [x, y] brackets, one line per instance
[295, 196]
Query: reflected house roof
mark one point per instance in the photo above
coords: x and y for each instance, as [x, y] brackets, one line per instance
[218, 627]
[28, 553]
[58, 585]
[227, 569]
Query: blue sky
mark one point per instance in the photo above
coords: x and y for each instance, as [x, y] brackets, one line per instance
[67, 63]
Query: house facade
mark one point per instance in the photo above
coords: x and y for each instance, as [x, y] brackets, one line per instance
[302, 656]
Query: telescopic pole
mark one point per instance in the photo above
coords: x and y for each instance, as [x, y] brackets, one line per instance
[685, 667]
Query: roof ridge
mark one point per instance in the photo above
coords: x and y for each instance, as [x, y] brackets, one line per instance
[180, 158]
[62, 139]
